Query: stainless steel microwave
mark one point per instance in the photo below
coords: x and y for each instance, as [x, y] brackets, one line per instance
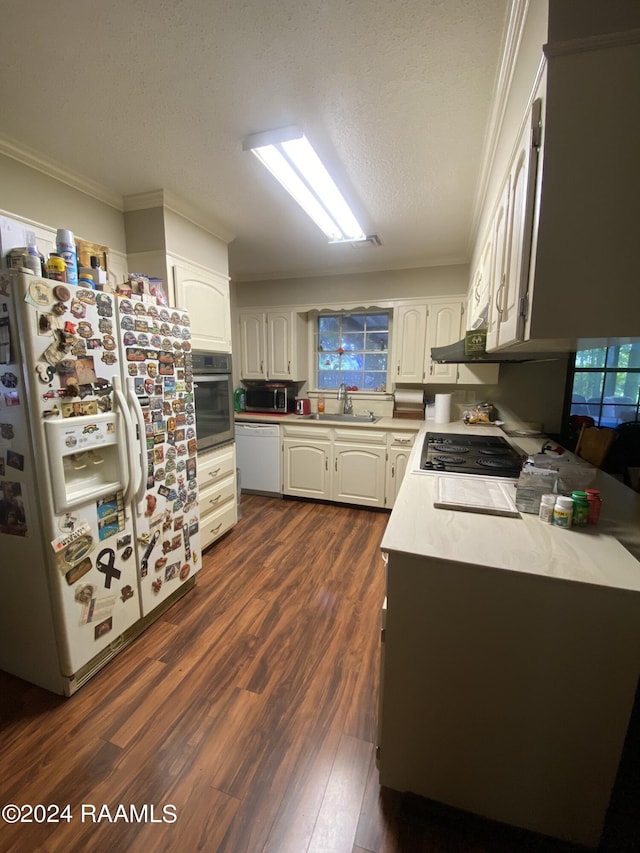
[277, 399]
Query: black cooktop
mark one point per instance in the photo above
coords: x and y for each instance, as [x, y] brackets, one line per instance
[487, 455]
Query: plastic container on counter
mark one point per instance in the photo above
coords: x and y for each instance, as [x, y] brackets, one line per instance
[563, 512]
[595, 505]
[547, 503]
[580, 508]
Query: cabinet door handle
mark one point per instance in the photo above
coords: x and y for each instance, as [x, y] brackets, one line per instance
[214, 473]
[215, 529]
[326, 463]
[398, 369]
[288, 367]
[215, 500]
[499, 295]
[336, 463]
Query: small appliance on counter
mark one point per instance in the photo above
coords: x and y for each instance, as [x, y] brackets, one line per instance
[271, 397]
[303, 406]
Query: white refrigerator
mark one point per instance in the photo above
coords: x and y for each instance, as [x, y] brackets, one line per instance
[99, 522]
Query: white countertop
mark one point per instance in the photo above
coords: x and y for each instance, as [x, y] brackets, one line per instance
[591, 555]
[381, 423]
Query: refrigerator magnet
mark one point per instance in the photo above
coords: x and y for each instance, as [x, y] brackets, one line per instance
[126, 593]
[104, 305]
[103, 628]
[74, 574]
[78, 309]
[157, 584]
[39, 295]
[106, 564]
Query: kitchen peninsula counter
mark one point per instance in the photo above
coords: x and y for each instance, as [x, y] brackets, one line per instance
[511, 656]
[606, 553]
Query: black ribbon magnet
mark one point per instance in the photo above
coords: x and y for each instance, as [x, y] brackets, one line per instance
[106, 564]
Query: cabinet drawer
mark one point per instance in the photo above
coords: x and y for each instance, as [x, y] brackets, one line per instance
[218, 493]
[214, 524]
[215, 466]
[401, 439]
[313, 433]
[361, 436]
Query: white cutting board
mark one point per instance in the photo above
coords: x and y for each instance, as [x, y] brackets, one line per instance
[476, 494]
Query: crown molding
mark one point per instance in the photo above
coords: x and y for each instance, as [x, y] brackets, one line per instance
[138, 201]
[28, 157]
[168, 200]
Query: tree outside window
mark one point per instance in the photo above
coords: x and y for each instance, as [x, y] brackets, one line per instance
[606, 384]
[353, 349]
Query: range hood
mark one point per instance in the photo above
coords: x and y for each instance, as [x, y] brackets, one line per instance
[455, 354]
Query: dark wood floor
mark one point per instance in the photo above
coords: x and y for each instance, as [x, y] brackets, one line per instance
[250, 707]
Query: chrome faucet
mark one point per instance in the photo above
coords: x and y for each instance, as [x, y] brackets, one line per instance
[347, 407]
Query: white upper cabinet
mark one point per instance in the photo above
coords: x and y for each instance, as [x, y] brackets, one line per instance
[205, 295]
[568, 197]
[513, 267]
[444, 323]
[433, 323]
[410, 329]
[273, 345]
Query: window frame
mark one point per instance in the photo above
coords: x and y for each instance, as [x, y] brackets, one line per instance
[341, 313]
[593, 407]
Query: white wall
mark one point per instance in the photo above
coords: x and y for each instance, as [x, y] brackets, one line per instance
[30, 194]
[323, 291]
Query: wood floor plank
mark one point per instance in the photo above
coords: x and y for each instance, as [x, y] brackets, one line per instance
[250, 706]
[337, 822]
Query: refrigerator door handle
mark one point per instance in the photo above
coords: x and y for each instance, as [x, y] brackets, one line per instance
[130, 440]
[144, 462]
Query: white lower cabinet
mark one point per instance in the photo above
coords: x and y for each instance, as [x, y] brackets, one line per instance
[307, 468]
[358, 474]
[399, 449]
[217, 493]
[344, 465]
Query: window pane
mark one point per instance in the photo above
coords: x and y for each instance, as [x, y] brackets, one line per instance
[352, 348]
[329, 323]
[591, 357]
[329, 380]
[353, 323]
[329, 341]
[378, 322]
[377, 340]
[353, 342]
[375, 361]
[352, 361]
[588, 385]
[328, 361]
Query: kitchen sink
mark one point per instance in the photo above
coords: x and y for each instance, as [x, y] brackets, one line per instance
[352, 419]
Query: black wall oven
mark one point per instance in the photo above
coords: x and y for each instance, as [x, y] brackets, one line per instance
[213, 391]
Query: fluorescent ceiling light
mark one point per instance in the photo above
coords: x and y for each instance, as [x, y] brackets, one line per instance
[290, 158]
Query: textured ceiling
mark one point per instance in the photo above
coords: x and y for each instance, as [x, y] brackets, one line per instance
[139, 95]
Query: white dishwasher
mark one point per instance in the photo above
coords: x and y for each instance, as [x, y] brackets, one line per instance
[258, 458]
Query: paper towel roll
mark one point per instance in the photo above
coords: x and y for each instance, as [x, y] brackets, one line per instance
[409, 398]
[443, 408]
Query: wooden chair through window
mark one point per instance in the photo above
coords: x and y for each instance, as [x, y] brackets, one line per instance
[594, 443]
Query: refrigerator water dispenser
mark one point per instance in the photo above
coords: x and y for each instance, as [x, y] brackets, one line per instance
[86, 459]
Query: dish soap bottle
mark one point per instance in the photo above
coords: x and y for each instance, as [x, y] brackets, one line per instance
[239, 400]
